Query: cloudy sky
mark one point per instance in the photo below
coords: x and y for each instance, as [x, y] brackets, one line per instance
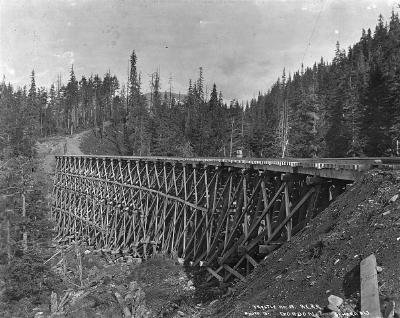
[243, 45]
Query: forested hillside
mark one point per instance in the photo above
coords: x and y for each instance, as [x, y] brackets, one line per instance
[25, 228]
[347, 107]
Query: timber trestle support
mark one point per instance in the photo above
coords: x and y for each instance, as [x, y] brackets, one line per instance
[224, 216]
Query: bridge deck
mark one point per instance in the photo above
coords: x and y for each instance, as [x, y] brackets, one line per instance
[335, 168]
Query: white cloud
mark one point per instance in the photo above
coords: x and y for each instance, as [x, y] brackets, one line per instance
[69, 55]
[11, 70]
[392, 3]
[336, 31]
[261, 2]
[7, 69]
[42, 73]
[206, 22]
[72, 3]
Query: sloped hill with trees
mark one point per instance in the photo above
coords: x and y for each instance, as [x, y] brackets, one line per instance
[347, 107]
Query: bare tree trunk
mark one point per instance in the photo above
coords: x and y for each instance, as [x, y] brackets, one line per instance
[8, 242]
[95, 120]
[25, 233]
[41, 123]
[68, 125]
[231, 143]
[242, 143]
[141, 137]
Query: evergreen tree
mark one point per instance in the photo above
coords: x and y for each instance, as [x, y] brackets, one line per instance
[138, 138]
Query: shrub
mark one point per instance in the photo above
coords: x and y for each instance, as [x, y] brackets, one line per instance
[27, 276]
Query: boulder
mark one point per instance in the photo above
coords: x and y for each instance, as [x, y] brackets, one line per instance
[335, 300]
[333, 308]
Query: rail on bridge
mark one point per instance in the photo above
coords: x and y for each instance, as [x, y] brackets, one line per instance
[224, 214]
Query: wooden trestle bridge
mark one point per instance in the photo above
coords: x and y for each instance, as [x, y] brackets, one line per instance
[223, 214]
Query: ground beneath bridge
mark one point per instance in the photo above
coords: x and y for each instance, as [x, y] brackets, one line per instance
[324, 258]
[99, 284]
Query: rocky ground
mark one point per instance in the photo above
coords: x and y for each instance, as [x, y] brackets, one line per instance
[114, 285]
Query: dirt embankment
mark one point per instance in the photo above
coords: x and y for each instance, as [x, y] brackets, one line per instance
[324, 258]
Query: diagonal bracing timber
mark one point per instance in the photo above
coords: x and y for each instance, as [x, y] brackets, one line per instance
[225, 217]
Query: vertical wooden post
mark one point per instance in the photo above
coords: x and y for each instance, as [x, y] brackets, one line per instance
[287, 210]
[228, 216]
[214, 207]
[184, 209]
[208, 207]
[312, 203]
[195, 202]
[268, 215]
[245, 221]
[173, 228]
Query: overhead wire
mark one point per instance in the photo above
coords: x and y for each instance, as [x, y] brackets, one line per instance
[314, 28]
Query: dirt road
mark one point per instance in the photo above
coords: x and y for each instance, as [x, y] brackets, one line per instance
[50, 147]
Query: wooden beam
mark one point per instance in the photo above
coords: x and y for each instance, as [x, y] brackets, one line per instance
[282, 224]
[287, 212]
[216, 271]
[251, 260]
[234, 272]
[268, 248]
[215, 274]
[240, 214]
[292, 177]
[243, 239]
[265, 211]
[229, 274]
